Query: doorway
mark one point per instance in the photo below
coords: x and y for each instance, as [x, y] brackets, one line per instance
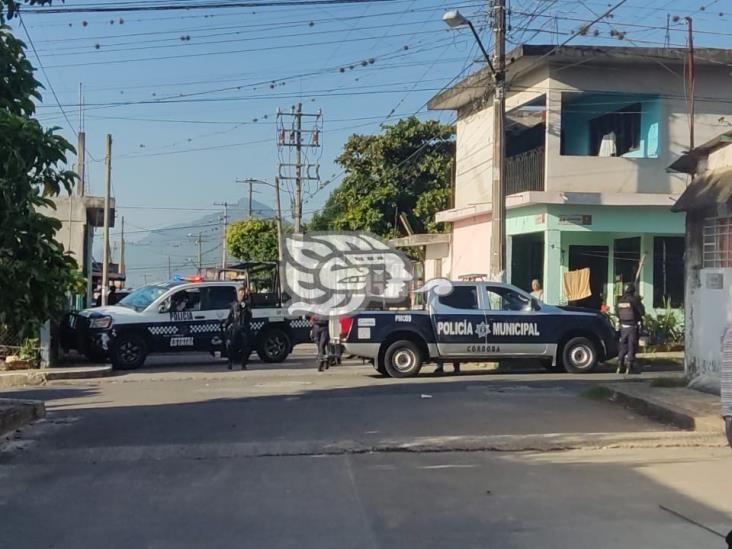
[595, 259]
[527, 260]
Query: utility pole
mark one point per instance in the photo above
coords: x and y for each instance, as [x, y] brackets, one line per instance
[81, 150]
[691, 76]
[292, 135]
[170, 274]
[298, 170]
[280, 237]
[200, 254]
[498, 220]
[121, 266]
[105, 244]
[251, 190]
[223, 236]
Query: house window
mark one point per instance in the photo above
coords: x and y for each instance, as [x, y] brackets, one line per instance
[668, 271]
[616, 133]
[717, 242]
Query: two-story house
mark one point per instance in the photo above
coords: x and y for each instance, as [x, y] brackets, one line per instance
[589, 134]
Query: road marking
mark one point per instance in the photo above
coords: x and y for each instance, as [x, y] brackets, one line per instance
[448, 466]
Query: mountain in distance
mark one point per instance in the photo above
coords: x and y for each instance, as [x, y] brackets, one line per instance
[146, 260]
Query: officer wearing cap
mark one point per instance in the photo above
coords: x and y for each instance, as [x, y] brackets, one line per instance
[629, 311]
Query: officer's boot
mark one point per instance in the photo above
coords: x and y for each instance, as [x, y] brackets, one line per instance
[619, 369]
[456, 367]
[243, 363]
[321, 364]
[439, 370]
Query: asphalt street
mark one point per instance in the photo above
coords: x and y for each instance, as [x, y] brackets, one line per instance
[186, 454]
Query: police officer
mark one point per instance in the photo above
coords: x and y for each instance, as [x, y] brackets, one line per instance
[629, 311]
[237, 329]
[321, 338]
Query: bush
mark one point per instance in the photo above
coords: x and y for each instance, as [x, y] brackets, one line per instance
[665, 327]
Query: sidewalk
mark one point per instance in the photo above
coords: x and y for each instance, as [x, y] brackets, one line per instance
[20, 378]
[679, 406]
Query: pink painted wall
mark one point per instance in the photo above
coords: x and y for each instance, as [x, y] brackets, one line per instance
[471, 239]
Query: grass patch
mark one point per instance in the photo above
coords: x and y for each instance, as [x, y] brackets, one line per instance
[598, 393]
[669, 382]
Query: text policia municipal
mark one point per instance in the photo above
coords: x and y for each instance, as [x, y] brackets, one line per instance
[466, 328]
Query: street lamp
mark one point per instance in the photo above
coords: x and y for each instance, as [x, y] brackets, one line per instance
[454, 19]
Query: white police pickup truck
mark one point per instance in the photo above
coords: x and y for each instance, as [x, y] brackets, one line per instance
[178, 316]
[481, 322]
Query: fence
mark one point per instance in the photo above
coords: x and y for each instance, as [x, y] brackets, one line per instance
[525, 172]
[12, 344]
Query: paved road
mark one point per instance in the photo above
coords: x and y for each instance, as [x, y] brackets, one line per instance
[196, 456]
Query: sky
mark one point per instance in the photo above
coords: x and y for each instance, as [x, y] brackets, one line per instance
[190, 97]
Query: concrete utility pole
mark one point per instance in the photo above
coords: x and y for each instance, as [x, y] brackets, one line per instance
[200, 254]
[105, 244]
[280, 236]
[498, 219]
[290, 135]
[691, 77]
[121, 266]
[223, 236]
[81, 150]
[498, 69]
[170, 274]
[298, 170]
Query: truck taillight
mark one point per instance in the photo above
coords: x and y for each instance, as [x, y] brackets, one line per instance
[346, 323]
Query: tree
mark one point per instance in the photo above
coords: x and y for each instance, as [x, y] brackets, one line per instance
[253, 240]
[404, 170]
[12, 7]
[34, 269]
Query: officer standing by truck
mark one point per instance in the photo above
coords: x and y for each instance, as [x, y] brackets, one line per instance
[321, 338]
[237, 329]
[629, 310]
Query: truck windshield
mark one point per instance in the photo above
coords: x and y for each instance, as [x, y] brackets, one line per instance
[140, 299]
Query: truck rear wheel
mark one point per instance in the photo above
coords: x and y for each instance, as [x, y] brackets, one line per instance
[579, 355]
[403, 359]
[273, 345]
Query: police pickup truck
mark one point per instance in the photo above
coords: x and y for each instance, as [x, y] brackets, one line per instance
[178, 316]
[481, 322]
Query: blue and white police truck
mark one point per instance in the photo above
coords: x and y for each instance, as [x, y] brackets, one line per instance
[183, 315]
[481, 322]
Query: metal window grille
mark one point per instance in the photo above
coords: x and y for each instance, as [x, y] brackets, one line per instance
[717, 242]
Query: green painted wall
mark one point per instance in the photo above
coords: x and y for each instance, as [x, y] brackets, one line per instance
[561, 228]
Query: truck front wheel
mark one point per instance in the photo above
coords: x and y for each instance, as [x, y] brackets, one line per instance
[403, 359]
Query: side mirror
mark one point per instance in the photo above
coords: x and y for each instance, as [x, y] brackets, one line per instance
[535, 306]
[164, 307]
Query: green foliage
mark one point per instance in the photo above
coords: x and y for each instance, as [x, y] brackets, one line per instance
[405, 169]
[12, 7]
[29, 350]
[34, 269]
[666, 327]
[253, 240]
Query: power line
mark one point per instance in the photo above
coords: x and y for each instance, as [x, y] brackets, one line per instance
[151, 6]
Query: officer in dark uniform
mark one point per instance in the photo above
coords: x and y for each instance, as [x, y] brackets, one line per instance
[629, 311]
[237, 330]
[321, 338]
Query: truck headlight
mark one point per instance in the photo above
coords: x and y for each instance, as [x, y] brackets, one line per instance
[102, 322]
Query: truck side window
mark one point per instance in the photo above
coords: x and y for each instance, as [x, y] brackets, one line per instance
[462, 297]
[505, 299]
[186, 300]
[216, 298]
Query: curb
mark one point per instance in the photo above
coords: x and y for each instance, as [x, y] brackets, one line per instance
[9, 380]
[15, 413]
[648, 405]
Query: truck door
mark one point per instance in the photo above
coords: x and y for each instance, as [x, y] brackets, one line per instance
[459, 323]
[515, 328]
[170, 327]
[206, 325]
